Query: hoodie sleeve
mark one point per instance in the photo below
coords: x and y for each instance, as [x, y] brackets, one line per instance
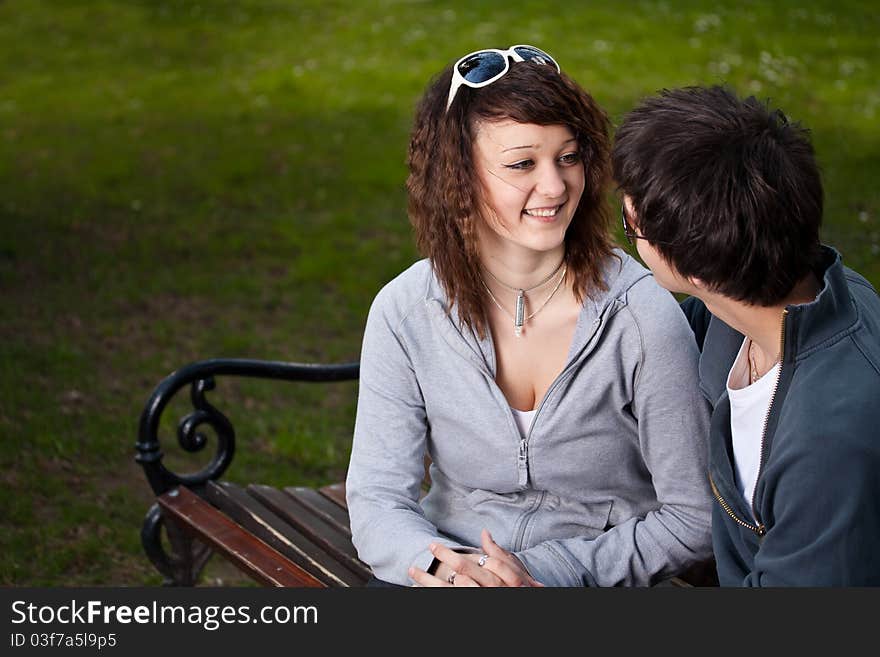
[385, 474]
[673, 425]
[698, 317]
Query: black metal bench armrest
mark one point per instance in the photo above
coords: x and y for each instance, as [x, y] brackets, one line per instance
[200, 376]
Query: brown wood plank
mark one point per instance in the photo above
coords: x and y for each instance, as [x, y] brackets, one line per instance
[260, 561]
[335, 492]
[318, 530]
[426, 482]
[263, 522]
[321, 507]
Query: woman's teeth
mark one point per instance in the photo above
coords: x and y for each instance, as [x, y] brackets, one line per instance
[542, 212]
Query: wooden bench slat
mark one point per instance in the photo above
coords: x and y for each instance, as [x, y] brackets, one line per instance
[321, 507]
[336, 493]
[260, 561]
[256, 517]
[326, 535]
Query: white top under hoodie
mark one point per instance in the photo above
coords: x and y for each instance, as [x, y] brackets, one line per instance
[607, 488]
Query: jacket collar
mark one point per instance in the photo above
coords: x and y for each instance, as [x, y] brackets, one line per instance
[809, 326]
[831, 314]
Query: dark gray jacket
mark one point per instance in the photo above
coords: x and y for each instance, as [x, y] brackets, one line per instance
[817, 498]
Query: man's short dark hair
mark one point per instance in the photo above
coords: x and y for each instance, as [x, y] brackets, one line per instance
[727, 189]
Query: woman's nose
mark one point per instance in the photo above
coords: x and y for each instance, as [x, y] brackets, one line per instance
[550, 183]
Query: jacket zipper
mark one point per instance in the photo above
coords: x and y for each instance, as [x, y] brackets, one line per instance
[767, 417]
[759, 529]
[523, 522]
[523, 454]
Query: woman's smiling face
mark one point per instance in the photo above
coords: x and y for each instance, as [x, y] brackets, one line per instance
[532, 179]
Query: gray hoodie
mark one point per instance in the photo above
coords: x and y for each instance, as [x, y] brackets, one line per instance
[608, 488]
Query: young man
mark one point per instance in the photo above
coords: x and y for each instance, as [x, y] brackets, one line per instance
[723, 199]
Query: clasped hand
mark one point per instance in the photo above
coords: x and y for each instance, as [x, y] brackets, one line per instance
[497, 567]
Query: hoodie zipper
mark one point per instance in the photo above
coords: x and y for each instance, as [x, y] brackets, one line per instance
[767, 417]
[523, 453]
[759, 529]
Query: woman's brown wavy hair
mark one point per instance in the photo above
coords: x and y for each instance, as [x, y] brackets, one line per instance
[445, 193]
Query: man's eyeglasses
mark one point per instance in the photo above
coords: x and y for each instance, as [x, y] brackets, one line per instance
[630, 234]
[483, 67]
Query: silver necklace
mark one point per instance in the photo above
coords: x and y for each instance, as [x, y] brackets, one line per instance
[520, 317]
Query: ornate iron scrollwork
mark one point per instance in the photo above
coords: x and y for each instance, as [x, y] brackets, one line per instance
[189, 556]
[185, 562]
[189, 437]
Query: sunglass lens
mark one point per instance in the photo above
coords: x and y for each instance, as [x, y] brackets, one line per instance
[529, 52]
[482, 66]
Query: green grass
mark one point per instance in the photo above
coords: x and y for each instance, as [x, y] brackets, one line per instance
[183, 180]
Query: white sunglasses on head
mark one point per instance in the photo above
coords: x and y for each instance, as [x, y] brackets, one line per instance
[483, 67]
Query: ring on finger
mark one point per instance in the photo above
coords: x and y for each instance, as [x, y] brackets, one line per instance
[451, 577]
[482, 561]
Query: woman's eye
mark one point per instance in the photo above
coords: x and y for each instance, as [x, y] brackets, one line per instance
[570, 158]
[522, 164]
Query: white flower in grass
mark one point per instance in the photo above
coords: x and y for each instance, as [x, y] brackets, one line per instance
[707, 22]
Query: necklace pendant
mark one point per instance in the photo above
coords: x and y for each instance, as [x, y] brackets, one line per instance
[520, 315]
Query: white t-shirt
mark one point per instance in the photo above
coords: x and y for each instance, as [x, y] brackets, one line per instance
[748, 412]
[523, 420]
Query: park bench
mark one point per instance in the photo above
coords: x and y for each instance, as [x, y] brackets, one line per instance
[295, 536]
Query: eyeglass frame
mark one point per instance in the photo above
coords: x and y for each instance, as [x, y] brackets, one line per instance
[629, 232]
[458, 79]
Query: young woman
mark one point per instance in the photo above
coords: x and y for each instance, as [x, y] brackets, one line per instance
[551, 382]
